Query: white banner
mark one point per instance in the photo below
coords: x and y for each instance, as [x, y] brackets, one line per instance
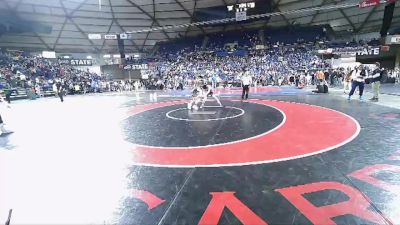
[48, 55]
[110, 36]
[369, 51]
[123, 36]
[76, 62]
[94, 36]
[136, 67]
[395, 40]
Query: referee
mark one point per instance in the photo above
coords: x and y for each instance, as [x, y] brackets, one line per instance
[246, 81]
[60, 91]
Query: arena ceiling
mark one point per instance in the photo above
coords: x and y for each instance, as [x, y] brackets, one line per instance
[73, 20]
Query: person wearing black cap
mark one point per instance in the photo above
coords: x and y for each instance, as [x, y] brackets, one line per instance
[375, 80]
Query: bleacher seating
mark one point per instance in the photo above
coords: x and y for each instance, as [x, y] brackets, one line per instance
[245, 39]
[172, 47]
[19, 93]
[294, 34]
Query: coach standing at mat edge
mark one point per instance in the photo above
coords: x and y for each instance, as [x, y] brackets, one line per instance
[246, 81]
[375, 80]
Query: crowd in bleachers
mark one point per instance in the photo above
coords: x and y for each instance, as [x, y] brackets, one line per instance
[266, 66]
[40, 76]
[227, 56]
[21, 70]
[287, 58]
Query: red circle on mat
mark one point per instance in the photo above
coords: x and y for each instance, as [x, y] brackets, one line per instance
[308, 130]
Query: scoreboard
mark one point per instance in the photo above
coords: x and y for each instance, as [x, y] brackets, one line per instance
[241, 6]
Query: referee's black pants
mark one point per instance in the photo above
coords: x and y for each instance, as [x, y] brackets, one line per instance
[8, 97]
[61, 96]
[245, 92]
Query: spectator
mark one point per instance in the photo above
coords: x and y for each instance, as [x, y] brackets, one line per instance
[60, 90]
[347, 81]
[358, 77]
[375, 80]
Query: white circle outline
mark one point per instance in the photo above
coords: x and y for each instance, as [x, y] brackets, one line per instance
[358, 130]
[220, 144]
[205, 120]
